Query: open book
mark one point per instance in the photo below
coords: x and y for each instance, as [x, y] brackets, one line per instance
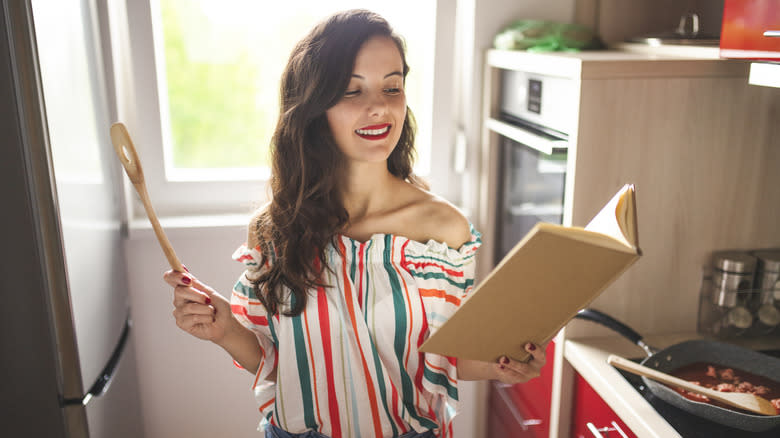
[552, 273]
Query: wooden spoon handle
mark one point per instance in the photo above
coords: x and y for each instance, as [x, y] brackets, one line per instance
[128, 156]
[658, 376]
[745, 401]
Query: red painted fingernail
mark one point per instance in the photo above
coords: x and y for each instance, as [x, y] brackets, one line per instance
[501, 366]
[208, 300]
[505, 360]
[185, 268]
[186, 280]
[531, 347]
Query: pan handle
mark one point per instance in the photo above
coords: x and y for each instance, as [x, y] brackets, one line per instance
[598, 317]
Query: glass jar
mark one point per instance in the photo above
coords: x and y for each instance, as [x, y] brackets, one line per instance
[733, 272]
[733, 294]
[768, 287]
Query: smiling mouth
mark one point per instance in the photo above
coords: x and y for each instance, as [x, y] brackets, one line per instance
[375, 132]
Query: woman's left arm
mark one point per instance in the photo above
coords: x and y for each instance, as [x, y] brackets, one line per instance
[505, 370]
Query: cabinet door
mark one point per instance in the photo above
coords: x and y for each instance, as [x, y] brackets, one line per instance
[751, 29]
[592, 417]
[522, 410]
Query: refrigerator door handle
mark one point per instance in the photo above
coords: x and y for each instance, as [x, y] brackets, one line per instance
[106, 376]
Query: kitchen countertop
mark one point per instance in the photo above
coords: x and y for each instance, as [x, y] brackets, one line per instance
[589, 357]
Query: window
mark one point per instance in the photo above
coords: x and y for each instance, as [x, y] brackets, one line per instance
[206, 80]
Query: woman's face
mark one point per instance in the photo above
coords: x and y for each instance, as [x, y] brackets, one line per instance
[367, 122]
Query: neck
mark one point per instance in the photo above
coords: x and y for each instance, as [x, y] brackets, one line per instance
[367, 189]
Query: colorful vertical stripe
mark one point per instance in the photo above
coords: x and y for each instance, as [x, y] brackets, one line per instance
[349, 365]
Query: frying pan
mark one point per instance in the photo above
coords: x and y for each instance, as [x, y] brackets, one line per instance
[711, 352]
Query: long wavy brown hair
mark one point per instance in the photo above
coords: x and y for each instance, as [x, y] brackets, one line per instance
[306, 212]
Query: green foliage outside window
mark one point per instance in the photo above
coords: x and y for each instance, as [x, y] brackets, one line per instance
[215, 118]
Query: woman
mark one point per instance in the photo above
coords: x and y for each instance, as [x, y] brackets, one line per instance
[352, 264]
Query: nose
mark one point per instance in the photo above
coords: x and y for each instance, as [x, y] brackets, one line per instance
[377, 104]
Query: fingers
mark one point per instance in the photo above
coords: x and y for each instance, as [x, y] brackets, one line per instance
[190, 322]
[192, 307]
[175, 278]
[191, 310]
[537, 352]
[187, 287]
[510, 371]
[185, 294]
[513, 375]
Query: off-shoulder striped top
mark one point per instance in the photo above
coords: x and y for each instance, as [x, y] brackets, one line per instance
[349, 365]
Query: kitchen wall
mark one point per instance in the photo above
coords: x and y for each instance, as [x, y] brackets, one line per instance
[187, 387]
[703, 153]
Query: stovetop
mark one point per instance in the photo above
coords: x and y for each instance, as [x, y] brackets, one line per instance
[692, 426]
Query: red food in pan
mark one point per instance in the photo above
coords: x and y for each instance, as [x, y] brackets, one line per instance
[726, 379]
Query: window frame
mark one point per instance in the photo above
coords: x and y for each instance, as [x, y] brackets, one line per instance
[142, 107]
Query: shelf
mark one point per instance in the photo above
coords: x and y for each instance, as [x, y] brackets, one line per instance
[678, 50]
[613, 64]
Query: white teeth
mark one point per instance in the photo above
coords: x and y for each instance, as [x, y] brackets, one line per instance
[372, 131]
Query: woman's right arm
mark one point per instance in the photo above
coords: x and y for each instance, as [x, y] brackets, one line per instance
[202, 312]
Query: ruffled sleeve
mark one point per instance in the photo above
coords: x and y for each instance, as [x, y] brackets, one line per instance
[252, 314]
[444, 277]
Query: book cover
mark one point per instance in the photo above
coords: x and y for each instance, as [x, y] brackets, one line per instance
[552, 273]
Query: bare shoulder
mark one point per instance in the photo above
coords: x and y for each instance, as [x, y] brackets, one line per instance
[252, 239]
[438, 219]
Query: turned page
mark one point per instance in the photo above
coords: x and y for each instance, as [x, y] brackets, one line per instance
[618, 218]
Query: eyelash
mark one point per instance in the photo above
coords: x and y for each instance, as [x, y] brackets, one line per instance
[386, 90]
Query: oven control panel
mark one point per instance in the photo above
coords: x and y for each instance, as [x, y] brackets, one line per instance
[541, 100]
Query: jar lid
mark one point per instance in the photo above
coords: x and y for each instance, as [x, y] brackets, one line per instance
[769, 259]
[734, 261]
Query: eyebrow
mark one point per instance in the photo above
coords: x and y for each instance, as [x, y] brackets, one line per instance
[395, 73]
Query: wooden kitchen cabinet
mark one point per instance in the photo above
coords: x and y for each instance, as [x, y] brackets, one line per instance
[591, 415]
[701, 147]
[523, 410]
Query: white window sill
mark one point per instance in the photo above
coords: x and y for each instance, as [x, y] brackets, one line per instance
[189, 226]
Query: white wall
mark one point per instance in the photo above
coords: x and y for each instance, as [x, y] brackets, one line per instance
[188, 387]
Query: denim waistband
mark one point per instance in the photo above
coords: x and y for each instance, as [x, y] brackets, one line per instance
[272, 431]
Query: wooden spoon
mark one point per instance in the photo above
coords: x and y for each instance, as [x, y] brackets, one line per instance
[748, 402]
[125, 149]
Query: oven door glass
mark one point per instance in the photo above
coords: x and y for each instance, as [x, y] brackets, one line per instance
[531, 191]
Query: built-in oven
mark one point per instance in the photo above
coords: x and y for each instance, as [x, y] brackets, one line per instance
[536, 116]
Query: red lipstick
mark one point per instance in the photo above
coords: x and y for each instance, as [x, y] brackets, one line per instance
[374, 132]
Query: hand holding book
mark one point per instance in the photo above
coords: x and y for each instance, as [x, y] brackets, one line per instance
[552, 273]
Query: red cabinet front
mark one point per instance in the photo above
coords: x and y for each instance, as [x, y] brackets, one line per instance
[748, 26]
[522, 410]
[592, 416]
